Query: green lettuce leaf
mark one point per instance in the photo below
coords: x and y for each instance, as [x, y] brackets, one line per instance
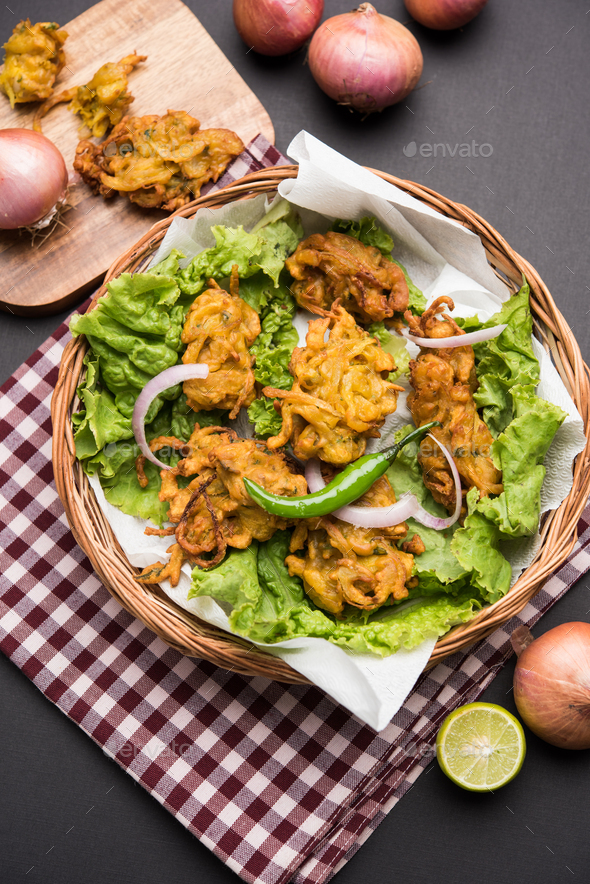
[417, 301]
[274, 345]
[437, 568]
[252, 252]
[506, 361]
[99, 422]
[267, 421]
[476, 548]
[266, 605]
[519, 452]
[368, 231]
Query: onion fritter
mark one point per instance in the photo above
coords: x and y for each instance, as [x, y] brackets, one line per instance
[160, 162]
[219, 330]
[333, 265]
[222, 513]
[341, 394]
[101, 103]
[34, 57]
[444, 382]
[354, 566]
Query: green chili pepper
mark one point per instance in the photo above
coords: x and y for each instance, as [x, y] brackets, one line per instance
[354, 481]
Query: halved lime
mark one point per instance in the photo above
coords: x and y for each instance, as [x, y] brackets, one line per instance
[481, 747]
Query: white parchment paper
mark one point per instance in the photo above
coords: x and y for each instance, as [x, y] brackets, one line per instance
[442, 258]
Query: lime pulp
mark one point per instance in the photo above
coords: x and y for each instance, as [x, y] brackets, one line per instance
[481, 747]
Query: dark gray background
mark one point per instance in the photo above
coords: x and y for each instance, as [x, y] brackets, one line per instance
[517, 79]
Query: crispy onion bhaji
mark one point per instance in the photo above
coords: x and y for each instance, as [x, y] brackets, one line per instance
[347, 565]
[214, 510]
[341, 393]
[160, 162]
[101, 103]
[219, 330]
[444, 382]
[329, 266]
[34, 57]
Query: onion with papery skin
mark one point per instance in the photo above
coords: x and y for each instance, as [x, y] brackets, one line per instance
[444, 15]
[476, 337]
[276, 27]
[33, 179]
[365, 60]
[163, 381]
[386, 516]
[552, 683]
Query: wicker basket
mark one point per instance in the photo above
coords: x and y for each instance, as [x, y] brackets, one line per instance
[191, 636]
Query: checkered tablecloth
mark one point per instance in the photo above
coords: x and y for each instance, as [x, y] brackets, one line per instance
[278, 781]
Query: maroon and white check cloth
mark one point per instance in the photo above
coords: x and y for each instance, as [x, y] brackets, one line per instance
[278, 781]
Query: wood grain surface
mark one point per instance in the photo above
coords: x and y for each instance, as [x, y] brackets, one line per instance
[185, 70]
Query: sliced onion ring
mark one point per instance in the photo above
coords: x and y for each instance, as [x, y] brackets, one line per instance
[476, 337]
[427, 519]
[387, 516]
[163, 381]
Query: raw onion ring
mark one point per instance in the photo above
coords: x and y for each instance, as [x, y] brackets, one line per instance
[476, 337]
[386, 516]
[163, 381]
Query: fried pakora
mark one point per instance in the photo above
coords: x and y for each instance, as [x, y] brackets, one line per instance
[444, 381]
[341, 394]
[160, 162]
[329, 266]
[344, 565]
[101, 103]
[34, 57]
[214, 510]
[219, 330]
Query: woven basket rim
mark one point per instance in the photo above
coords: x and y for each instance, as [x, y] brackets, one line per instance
[184, 631]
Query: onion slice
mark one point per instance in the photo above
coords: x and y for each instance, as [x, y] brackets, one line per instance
[163, 381]
[427, 519]
[386, 516]
[476, 337]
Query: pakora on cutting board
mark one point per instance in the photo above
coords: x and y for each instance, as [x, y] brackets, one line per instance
[100, 103]
[160, 162]
[34, 57]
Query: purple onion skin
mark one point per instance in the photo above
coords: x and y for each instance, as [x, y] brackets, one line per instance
[552, 686]
[276, 27]
[365, 60]
[444, 15]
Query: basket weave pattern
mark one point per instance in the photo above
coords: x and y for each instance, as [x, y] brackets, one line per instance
[193, 637]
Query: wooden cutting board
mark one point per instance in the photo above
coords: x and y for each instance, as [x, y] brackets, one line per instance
[185, 70]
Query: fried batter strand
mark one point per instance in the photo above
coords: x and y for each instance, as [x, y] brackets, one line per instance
[34, 57]
[219, 330]
[101, 103]
[333, 265]
[341, 394]
[444, 382]
[214, 510]
[355, 566]
[160, 162]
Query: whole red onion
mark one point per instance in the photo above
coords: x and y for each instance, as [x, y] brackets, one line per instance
[33, 178]
[365, 60]
[275, 27]
[444, 15]
[552, 683]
